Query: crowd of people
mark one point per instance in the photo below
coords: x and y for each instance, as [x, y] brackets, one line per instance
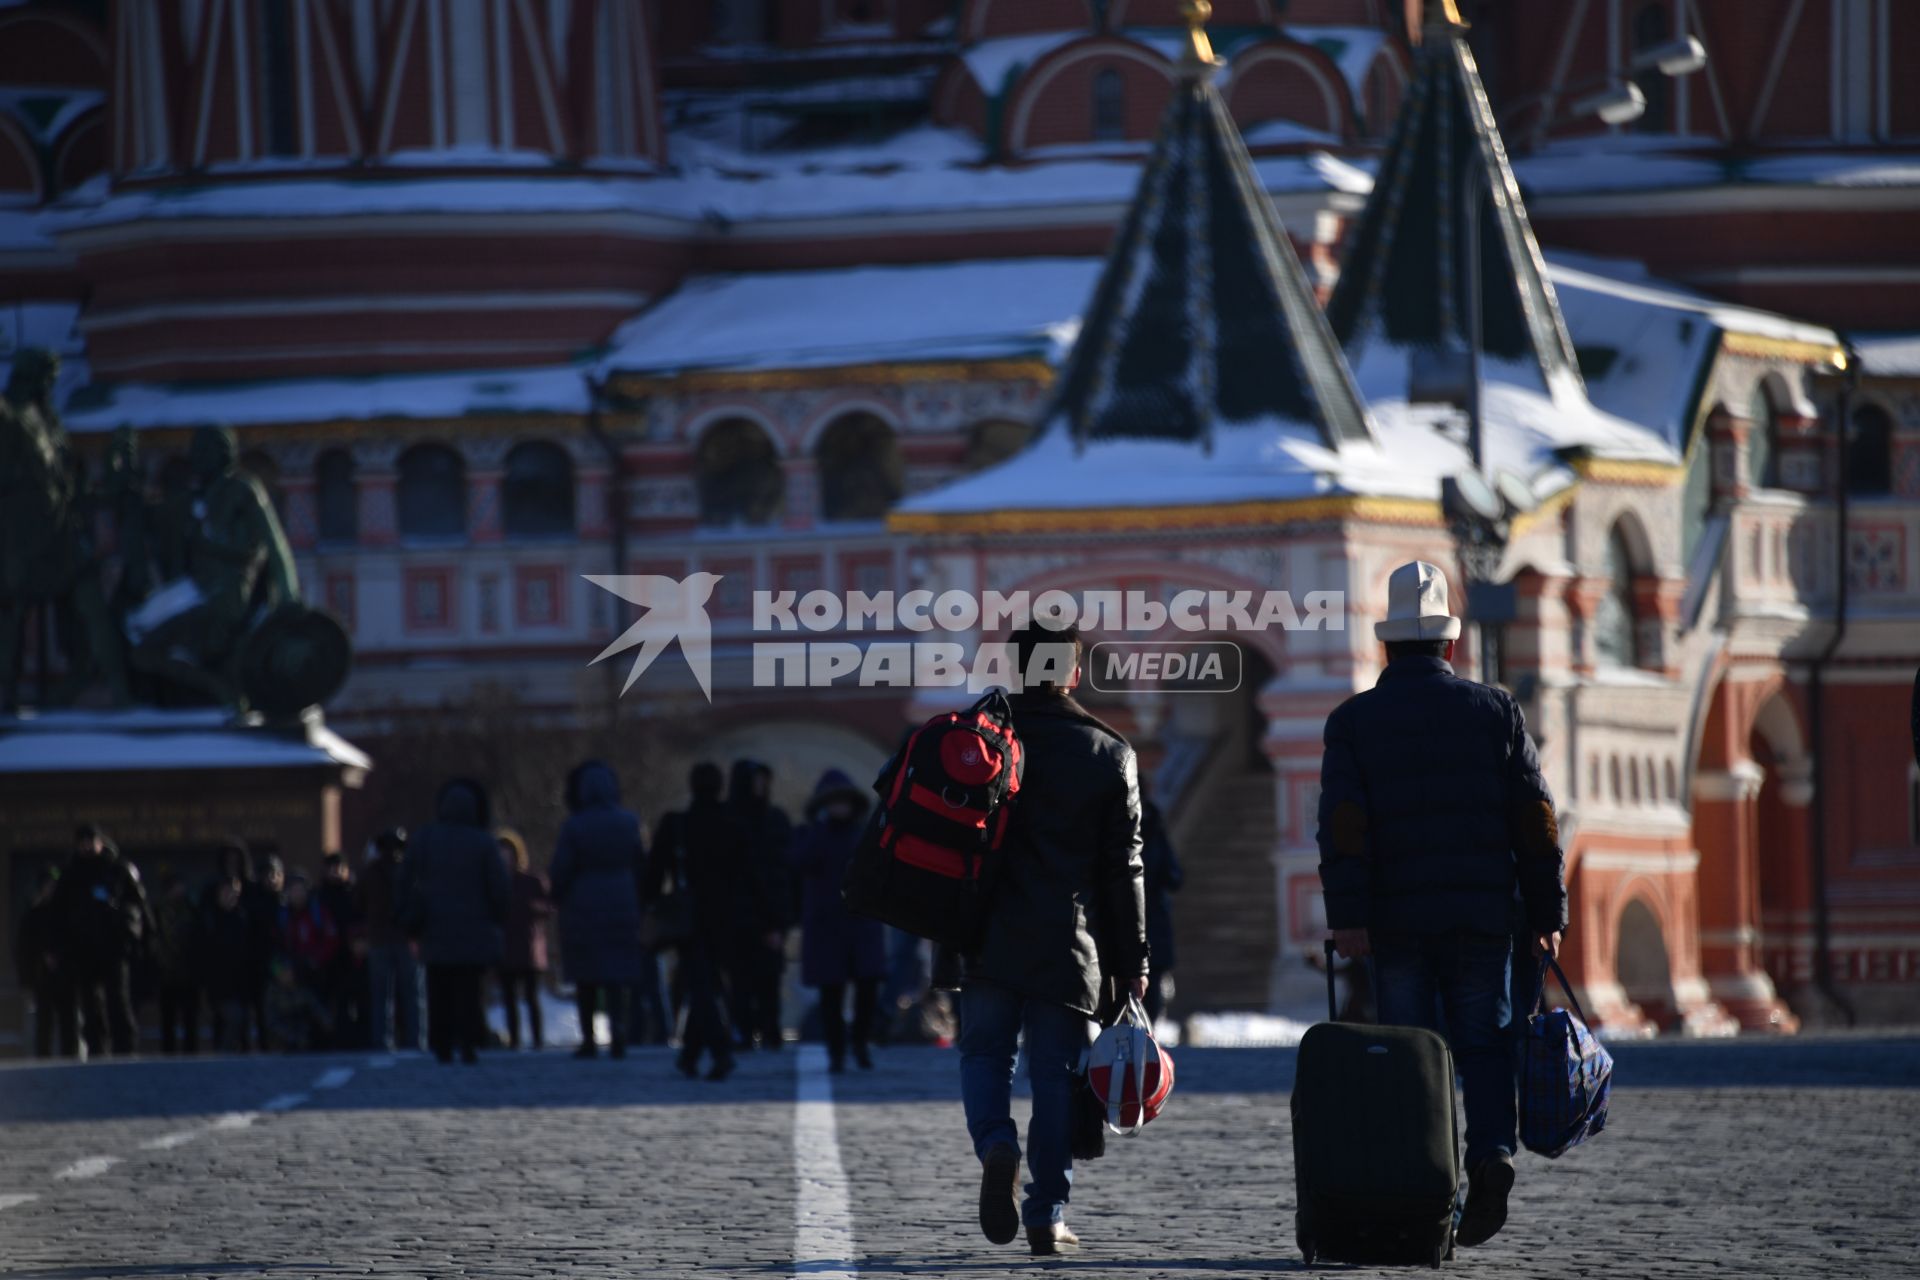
[680, 935]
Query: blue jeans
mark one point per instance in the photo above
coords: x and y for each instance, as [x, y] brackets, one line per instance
[1464, 976]
[991, 1019]
[394, 975]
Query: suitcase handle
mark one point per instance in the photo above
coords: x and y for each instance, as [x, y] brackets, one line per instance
[1333, 1008]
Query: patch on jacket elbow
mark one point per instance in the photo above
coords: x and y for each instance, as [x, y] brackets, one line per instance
[1540, 831]
[1349, 830]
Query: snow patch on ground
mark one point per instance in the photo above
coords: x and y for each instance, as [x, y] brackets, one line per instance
[1242, 1031]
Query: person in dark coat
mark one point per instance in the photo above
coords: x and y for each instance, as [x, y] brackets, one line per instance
[233, 866]
[36, 958]
[529, 907]
[701, 851]
[1065, 937]
[837, 949]
[104, 923]
[763, 907]
[346, 981]
[262, 896]
[1165, 876]
[1433, 812]
[453, 884]
[597, 869]
[393, 969]
[176, 961]
[226, 951]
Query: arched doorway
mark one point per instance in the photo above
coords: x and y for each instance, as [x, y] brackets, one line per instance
[1643, 966]
[1782, 873]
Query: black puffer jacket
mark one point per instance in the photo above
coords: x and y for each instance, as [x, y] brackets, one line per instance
[1073, 869]
[1432, 806]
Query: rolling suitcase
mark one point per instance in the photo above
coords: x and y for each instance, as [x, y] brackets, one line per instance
[1376, 1165]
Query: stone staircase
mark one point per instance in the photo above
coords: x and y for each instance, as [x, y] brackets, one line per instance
[1225, 920]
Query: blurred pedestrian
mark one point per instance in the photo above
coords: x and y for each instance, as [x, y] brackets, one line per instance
[529, 906]
[104, 923]
[233, 868]
[1165, 876]
[345, 985]
[837, 949]
[393, 971]
[453, 889]
[226, 950]
[309, 941]
[176, 961]
[763, 906]
[699, 851]
[36, 958]
[262, 897]
[597, 869]
[297, 1019]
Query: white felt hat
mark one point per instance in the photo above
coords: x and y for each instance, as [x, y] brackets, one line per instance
[1417, 606]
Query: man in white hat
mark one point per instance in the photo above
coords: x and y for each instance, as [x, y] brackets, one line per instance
[1434, 820]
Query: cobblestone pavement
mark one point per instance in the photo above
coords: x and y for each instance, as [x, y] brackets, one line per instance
[1749, 1158]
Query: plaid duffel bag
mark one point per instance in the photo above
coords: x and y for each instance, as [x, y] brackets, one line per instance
[1566, 1075]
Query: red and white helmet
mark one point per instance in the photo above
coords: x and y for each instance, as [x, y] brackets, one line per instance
[1128, 1071]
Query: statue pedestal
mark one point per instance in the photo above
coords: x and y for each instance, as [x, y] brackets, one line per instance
[168, 787]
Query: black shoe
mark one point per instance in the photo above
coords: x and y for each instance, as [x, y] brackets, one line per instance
[1047, 1241]
[688, 1067]
[720, 1071]
[618, 1050]
[586, 1051]
[999, 1184]
[863, 1057]
[1486, 1211]
[469, 1057]
[836, 1066]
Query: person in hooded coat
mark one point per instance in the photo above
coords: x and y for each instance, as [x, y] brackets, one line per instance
[596, 874]
[701, 852]
[453, 889]
[104, 923]
[762, 907]
[837, 948]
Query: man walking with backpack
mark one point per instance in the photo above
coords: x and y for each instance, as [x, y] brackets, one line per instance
[1071, 873]
[1433, 813]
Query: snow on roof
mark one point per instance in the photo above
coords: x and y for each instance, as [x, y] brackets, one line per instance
[1889, 355]
[1564, 168]
[991, 62]
[1352, 49]
[147, 738]
[1659, 334]
[551, 389]
[1830, 169]
[864, 315]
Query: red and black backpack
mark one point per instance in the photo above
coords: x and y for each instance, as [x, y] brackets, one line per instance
[932, 851]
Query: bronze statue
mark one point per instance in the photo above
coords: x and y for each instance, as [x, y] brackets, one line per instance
[47, 558]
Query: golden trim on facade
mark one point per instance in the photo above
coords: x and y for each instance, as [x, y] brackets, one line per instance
[892, 374]
[1410, 511]
[1764, 348]
[1622, 471]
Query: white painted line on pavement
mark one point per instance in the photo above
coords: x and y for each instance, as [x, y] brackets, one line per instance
[90, 1167]
[14, 1199]
[169, 1141]
[284, 1102]
[234, 1120]
[823, 1214]
[334, 1078]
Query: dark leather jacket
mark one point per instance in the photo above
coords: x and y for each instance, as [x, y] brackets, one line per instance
[1070, 906]
[1433, 808]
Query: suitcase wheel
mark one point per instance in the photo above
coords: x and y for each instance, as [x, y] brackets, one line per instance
[1440, 1253]
[1305, 1242]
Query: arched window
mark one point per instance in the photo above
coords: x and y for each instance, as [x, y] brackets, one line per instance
[263, 468]
[1763, 440]
[334, 495]
[991, 442]
[432, 493]
[280, 134]
[536, 494]
[1109, 106]
[1870, 451]
[859, 466]
[1614, 641]
[1653, 25]
[738, 475]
